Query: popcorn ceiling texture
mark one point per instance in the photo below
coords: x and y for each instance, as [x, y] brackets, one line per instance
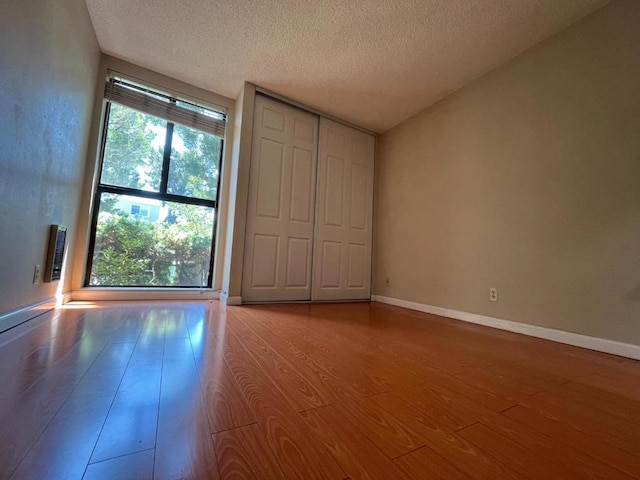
[373, 63]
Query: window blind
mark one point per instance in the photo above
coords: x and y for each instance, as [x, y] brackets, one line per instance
[165, 107]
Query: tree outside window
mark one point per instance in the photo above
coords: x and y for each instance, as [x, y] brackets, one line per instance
[156, 203]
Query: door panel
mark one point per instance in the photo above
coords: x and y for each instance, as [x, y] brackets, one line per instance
[334, 191]
[359, 196]
[269, 189]
[280, 213]
[272, 119]
[357, 274]
[342, 260]
[331, 263]
[265, 268]
[297, 272]
[302, 191]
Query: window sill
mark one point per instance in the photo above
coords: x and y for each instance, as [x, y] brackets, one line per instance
[91, 294]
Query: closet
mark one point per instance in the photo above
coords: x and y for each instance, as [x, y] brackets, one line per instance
[310, 208]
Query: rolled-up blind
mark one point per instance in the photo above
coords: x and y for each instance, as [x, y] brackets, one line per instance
[166, 107]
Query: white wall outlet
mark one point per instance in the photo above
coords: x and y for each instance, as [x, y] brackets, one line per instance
[37, 272]
[493, 294]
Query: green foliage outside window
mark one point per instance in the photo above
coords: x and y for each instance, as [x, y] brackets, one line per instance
[175, 248]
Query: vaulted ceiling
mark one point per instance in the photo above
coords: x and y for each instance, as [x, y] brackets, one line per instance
[371, 62]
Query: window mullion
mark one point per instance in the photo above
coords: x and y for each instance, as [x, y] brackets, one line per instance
[166, 159]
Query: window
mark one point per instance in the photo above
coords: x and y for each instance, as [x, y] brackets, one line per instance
[138, 210]
[155, 204]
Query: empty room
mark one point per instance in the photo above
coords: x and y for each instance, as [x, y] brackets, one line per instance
[320, 239]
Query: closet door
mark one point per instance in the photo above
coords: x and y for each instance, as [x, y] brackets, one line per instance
[344, 214]
[280, 213]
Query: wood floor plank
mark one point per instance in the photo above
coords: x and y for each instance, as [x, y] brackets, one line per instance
[335, 356]
[245, 453]
[30, 412]
[392, 435]
[336, 361]
[444, 442]
[471, 460]
[223, 399]
[131, 424]
[65, 446]
[328, 377]
[355, 347]
[440, 407]
[137, 466]
[184, 446]
[299, 389]
[300, 454]
[330, 391]
[257, 388]
[497, 384]
[353, 451]
[629, 366]
[460, 404]
[447, 386]
[284, 438]
[606, 427]
[175, 323]
[573, 459]
[286, 435]
[593, 446]
[535, 377]
[30, 356]
[425, 463]
[527, 463]
[557, 436]
[603, 401]
[397, 428]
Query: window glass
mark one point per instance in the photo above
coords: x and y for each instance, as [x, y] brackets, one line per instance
[169, 246]
[133, 150]
[195, 163]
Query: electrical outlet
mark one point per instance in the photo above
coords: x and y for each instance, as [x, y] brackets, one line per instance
[493, 294]
[36, 274]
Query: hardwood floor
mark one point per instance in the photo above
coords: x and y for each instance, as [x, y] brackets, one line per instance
[332, 391]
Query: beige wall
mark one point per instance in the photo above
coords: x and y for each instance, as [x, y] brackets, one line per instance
[528, 180]
[238, 194]
[48, 67]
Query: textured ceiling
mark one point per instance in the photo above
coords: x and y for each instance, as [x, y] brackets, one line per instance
[372, 62]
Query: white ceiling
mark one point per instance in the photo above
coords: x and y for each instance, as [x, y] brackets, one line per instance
[371, 62]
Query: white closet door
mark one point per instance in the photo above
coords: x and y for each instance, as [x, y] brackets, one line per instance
[280, 213]
[344, 214]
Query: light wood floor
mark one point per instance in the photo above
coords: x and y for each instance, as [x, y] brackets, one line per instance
[191, 390]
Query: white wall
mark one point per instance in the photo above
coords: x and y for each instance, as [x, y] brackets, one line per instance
[527, 180]
[48, 64]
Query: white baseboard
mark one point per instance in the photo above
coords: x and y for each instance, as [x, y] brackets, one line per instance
[21, 315]
[593, 343]
[142, 294]
[227, 300]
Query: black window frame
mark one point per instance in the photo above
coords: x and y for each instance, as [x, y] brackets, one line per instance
[161, 194]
